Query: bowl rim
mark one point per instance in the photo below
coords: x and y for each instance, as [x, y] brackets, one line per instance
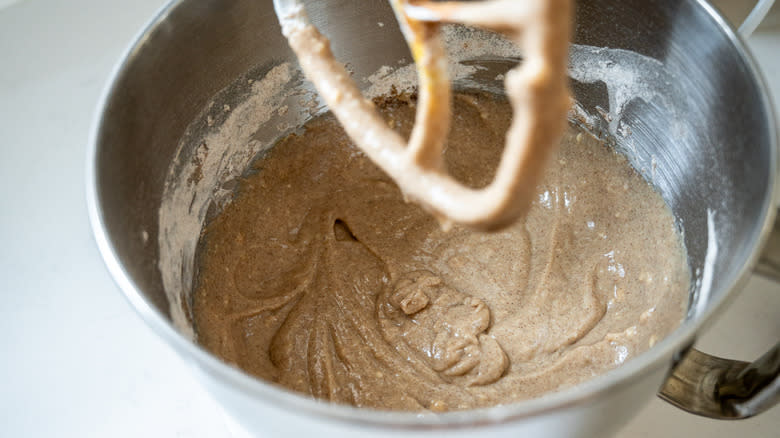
[644, 364]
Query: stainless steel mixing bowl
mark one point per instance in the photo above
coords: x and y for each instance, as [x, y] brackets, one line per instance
[714, 152]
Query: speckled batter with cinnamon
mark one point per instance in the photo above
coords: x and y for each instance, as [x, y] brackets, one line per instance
[319, 277]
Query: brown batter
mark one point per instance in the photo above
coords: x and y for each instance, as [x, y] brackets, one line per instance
[319, 276]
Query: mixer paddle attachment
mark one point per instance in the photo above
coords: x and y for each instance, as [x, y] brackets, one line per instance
[537, 90]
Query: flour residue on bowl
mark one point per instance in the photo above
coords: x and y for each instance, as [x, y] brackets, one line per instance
[201, 178]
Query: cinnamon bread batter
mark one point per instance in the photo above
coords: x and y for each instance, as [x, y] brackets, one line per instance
[320, 278]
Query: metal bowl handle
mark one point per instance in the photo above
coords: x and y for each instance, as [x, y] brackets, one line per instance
[729, 389]
[722, 388]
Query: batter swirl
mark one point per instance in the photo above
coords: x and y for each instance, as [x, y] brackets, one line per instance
[321, 278]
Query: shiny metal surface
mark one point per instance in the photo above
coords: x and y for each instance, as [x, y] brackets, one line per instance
[728, 389]
[722, 388]
[724, 161]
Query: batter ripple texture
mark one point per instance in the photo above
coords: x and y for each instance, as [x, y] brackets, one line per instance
[319, 276]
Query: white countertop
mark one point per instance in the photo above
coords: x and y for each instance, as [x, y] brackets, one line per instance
[75, 360]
